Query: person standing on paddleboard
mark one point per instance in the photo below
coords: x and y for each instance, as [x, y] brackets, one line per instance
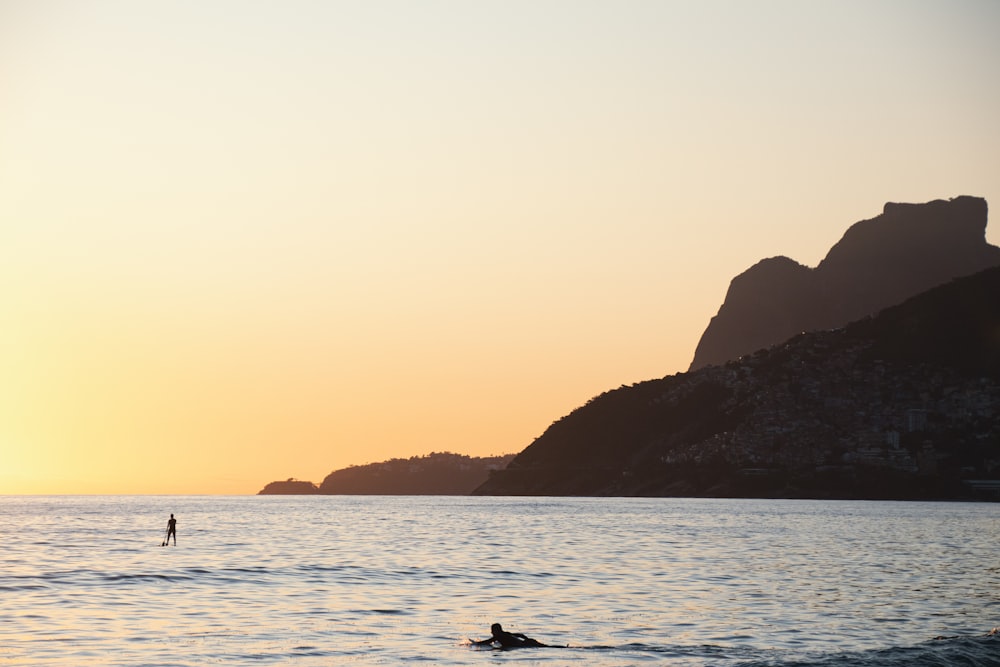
[171, 530]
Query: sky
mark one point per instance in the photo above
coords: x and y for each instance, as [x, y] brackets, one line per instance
[243, 241]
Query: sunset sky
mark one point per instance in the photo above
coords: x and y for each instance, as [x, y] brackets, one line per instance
[244, 241]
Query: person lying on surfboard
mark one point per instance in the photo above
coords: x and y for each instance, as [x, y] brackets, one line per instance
[508, 639]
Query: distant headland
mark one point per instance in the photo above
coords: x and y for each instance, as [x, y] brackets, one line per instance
[437, 473]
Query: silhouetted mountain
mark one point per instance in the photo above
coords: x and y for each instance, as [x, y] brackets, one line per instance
[438, 474]
[880, 262]
[905, 404]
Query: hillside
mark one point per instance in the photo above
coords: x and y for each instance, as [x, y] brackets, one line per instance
[902, 405]
[434, 474]
[290, 487]
[880, 262]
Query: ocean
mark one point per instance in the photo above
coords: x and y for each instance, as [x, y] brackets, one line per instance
[380, 580]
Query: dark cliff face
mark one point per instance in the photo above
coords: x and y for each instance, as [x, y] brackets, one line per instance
[902, 405]
[908, 249]
[764, 304]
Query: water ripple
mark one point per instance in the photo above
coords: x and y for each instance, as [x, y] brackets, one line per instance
[371, 580]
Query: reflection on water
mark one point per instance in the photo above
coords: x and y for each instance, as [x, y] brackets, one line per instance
[378, 580]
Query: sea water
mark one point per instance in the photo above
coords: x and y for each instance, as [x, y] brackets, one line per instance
[331, 580]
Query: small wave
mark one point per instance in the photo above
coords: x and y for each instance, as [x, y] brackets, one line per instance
[978, 651]
[23, 587]
[139, 578]
[699, 652]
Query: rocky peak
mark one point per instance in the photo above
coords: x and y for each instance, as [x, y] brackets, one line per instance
[880, 262]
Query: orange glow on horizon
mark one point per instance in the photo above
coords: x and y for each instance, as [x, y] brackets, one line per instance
[246, 243]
